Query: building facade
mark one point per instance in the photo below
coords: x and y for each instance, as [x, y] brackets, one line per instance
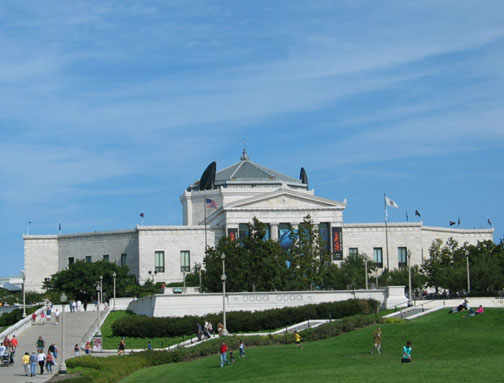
[224, 203]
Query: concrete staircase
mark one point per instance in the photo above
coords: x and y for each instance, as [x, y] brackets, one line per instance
[77, 326]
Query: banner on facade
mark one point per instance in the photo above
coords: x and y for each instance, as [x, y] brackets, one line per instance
[232, 234]
[337, 243]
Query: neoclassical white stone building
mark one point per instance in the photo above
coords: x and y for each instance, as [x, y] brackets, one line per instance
[223, 203]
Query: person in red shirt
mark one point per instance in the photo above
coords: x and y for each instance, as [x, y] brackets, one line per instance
[14, 342]
[223, 354]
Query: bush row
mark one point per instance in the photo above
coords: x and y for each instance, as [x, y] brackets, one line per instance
[114, 368]
[15, 316]
[240, 321]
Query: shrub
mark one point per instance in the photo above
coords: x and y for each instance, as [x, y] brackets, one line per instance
[240, 321]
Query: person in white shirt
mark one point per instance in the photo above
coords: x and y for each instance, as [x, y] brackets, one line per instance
[2, 349]
[41, 358]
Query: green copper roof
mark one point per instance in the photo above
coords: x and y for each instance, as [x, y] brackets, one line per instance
[248, 171]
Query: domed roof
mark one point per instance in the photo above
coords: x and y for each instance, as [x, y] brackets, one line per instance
[248, 172]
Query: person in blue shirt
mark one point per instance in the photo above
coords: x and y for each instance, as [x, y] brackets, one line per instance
[406, 356]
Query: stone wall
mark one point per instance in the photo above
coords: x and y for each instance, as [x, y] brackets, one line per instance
[201, 304]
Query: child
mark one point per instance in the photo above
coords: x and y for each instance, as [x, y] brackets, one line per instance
[406, 356]
[231, 357]
[298, 339]
[149, 346]
[376, 341]
[242, 349]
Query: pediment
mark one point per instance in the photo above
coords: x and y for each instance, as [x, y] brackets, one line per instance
[285, 200]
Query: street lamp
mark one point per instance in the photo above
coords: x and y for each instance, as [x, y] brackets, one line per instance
[23, 276]
[197, 266]
[409, 278]
[365, 271]
[114, 275]
[223, 278]
[98, 291]
[468, 274]
[62, 368]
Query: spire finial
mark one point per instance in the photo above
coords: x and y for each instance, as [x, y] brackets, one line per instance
[244, 156]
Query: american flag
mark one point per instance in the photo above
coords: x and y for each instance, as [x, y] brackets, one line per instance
[211, 203]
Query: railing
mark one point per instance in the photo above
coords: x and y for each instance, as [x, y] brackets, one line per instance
[93, 329]
[21, 325]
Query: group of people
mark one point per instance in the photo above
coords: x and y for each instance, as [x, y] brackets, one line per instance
[8, 349]
[46, 315]
[377, 341]
[464, 306]
[224, 350]
[205, 331]
[40, 357]
[76, 306]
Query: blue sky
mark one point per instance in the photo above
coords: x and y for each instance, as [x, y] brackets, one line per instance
[108, 109]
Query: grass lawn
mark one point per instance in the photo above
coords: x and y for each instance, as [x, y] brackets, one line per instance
[111, 342]
[446, 348]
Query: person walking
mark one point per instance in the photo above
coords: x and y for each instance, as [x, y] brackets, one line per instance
[223, 354]
[406, 356]
[26, 363]
[41, 359]
[14, 342]
[49, 362]
[76, 350]
[298, 339]
[241, 347]
[40, 344]
[33, 364]
[56, 315]
[377, 338]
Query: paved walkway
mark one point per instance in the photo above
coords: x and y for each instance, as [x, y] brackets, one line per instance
[76, 326]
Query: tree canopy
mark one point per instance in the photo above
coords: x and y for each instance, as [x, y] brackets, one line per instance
[79, 281]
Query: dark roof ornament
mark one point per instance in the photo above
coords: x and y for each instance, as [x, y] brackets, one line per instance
[244, 156]
[303, 177]
[207, 180]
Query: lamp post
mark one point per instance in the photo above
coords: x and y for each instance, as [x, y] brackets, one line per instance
[409, 278]
[23, 276]
[62, 367]
[98, 292]
[223, 278]
[114, 275]
[184, 274]
[197, 266]
[365, 271]
[468, 274]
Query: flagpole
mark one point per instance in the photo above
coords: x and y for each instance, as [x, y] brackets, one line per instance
[204, 203]
[386, 229]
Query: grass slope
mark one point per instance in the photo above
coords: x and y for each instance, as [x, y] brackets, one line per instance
[446, 348]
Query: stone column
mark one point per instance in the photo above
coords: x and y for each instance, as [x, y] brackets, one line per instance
[274, 231]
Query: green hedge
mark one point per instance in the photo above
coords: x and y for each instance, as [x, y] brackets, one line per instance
[114, 368]
[15, 316]
[240, 321]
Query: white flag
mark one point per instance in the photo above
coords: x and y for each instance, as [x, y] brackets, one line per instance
[389, 202]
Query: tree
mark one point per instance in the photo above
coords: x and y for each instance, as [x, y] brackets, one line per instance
[307, 258]
[79, 281]
[400, 277]
[252, 263]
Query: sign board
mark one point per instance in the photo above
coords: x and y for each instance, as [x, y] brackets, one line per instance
[337, 243]
[97, 344]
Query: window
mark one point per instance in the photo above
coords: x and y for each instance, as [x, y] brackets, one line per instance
[243, 230]
[88, 259]
[124, 259]
[353, 251]
[267, 231]
[402, 256]
[106, 257]
[159, 262]
[324, 236]
[282, 229]
[185, 261]
[71, 261]
[378, 256]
